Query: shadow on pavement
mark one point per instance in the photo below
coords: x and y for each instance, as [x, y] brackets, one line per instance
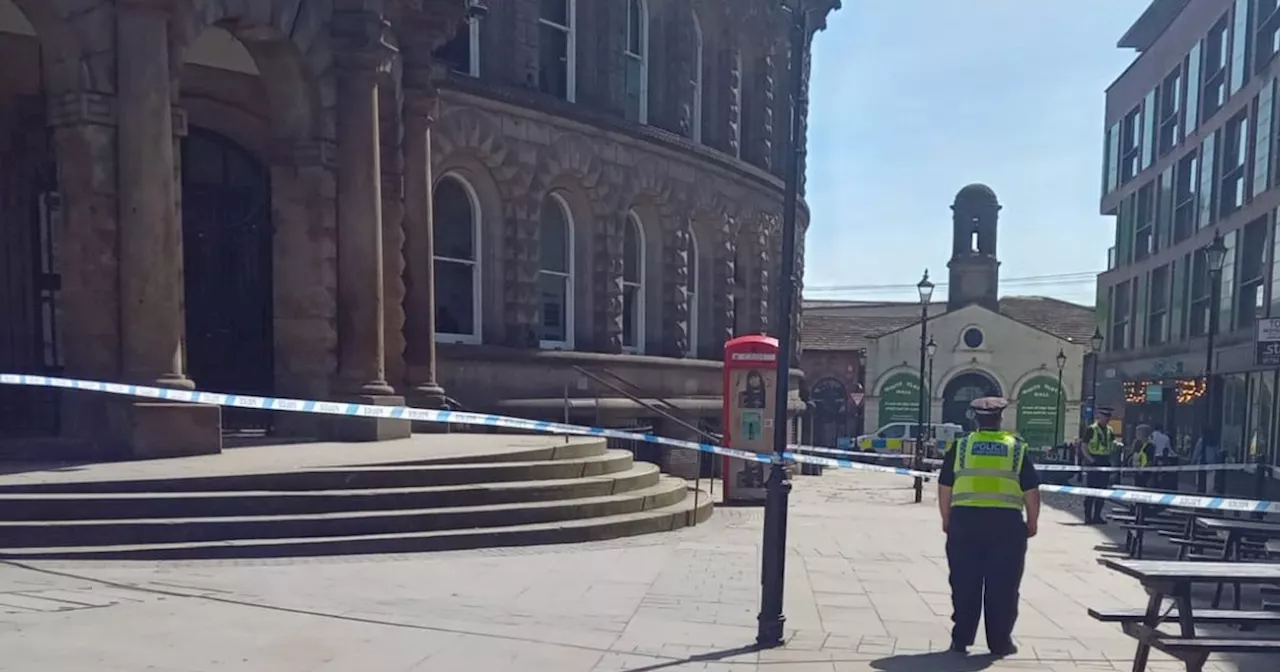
[699, 658]
[938, 661]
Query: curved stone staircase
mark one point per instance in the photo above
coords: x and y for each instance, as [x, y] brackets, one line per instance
[525, 492]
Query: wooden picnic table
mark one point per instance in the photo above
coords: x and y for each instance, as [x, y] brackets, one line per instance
[1273, 547]
[1234, 531]
[1173, 580]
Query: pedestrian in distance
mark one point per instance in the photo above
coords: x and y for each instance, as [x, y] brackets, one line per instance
[1142, 455]
[1096, 446]
[986, 484]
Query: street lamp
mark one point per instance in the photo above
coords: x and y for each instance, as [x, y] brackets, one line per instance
[1215, 255]
[862, 387]
[932, 349]
[1057, 405]
[925, 289]
[770, 621]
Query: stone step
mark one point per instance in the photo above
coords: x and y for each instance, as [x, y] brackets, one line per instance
[60, 506]
[659, 519]
[49, 533]
[576, 447]
[354, 477]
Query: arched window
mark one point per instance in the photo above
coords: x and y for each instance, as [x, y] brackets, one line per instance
[555, 274]
[691, 292]
[637, 57]
[457, 260]
[462, 53]
[557, 44]
[633, 285]
[696, 122]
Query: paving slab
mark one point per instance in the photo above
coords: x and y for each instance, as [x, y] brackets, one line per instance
[866, 590]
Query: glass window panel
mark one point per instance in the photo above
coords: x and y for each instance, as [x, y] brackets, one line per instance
[553, 301]
[635, 26]
[1206, 181]
[631, 251]
[454, 221]
[554, 237]
[553, 61]
[630, 316]
[1148, 129]
[1193, 87]
[455, 298]
[555, 11]
[1112, 167]
[1239, 45]
[1177, 301]
[1262, 138]
[1228, 283]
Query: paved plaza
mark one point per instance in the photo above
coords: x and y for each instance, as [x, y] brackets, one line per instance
[866, 590]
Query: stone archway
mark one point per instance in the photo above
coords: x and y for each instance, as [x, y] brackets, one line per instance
[247, 82]
[963, 389]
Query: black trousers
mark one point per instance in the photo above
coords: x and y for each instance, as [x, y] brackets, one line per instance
[1093, 506]
[986, 553]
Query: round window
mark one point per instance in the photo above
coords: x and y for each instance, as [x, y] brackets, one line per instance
[973, 338]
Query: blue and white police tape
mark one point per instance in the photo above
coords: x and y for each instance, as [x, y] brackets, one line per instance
[421, 415]
[1170, 500]
[1235, 466]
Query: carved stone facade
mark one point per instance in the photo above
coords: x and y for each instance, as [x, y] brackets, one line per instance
[355, 111]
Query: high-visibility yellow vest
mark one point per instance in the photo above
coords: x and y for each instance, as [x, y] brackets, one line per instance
[1100, 443]
[987, 465]
[1140, 454]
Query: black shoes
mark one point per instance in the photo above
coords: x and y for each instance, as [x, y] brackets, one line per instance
[957, 647]
[1005, 650]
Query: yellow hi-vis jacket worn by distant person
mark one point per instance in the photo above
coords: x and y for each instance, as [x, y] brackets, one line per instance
[988, 464]
[1101, 440]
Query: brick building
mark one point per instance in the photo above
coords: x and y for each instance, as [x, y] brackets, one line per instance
[377, 201]
[1190, 148]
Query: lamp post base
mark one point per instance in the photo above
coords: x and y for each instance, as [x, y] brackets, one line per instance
[770, 622]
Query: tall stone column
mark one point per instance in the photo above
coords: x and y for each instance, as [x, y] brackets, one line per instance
[151, 283]
[420, 109]
[152, 318]
[360, 52]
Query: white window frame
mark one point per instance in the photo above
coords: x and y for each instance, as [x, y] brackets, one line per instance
[691, 293]
[476, 313]
[642, 115]
[696, 122]
[567, 343]
[473, 26]
[636, 348]
[571, 46]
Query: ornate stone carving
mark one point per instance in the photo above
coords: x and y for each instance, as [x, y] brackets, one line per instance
[607, 277]
[767, 104]
[734, 55]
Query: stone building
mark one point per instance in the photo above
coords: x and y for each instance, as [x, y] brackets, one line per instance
[985, 345]
[383, 200]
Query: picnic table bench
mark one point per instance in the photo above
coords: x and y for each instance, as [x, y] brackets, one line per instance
[1173, 580]
[1234, 531]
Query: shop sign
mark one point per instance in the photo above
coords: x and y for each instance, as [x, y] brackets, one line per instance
[1267, 342]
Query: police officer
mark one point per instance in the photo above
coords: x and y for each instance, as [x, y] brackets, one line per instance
[1143, 455]
[1095, 451]
[986, 482]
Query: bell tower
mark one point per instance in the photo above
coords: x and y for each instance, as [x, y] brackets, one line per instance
[975, 271]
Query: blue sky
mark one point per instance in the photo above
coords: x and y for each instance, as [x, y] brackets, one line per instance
[913, 99]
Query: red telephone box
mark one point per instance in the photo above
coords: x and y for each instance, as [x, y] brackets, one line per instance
[750, 386]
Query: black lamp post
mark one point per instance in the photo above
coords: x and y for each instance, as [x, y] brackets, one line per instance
[932, 349]
[862, 387]
[925, 289]
[1057, 405]
[1095, 342]
[770, 621]
[1215, 255]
